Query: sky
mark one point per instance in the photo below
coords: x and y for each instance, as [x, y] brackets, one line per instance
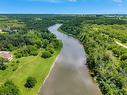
[63, 6]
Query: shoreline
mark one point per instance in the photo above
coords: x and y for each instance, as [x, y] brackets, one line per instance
[83, 84]
[51, 68]
[48, 73]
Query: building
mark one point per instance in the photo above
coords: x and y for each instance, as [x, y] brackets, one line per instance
[6, 55]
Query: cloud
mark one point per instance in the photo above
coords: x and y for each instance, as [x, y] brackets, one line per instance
[72, 0]
[54, 1]
[58, 1]
[118, 1]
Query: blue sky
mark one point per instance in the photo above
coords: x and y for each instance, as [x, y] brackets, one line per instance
[64, 6]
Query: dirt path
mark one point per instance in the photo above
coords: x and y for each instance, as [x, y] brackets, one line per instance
[121, 44]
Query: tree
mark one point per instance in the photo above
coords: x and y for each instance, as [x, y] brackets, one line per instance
[46, 54]
[2, 65]
[8, 88]
[124, 56]
[30, 82]
[50, 48]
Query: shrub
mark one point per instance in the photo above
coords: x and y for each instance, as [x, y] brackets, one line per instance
[34, 53]
[45, 43]
[30, 82]
[8, 88]
[17, 61]
[15, 67]
[50, 48]
[107, 56]
[124, 56]
[26, 51]
[2, 65]
[46, 54]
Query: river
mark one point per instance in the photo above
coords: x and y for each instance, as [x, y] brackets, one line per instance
[70, 75]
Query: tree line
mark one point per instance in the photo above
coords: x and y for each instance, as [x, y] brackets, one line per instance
[106, 60]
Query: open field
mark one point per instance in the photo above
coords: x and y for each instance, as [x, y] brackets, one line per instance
[28, 66]
[7, 23]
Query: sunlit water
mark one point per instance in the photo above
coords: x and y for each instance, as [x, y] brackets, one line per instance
[70, 75]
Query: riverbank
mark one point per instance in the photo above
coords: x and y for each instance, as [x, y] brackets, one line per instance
[69, 76]
[106, 57]
[28, 66]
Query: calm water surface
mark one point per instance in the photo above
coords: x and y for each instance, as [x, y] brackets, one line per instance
[70, 75]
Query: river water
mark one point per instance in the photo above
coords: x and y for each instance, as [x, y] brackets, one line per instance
[70, 75]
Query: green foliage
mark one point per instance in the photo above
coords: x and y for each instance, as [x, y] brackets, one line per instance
[8, 88]
[25, 36]
[17, 61]
[26, 51]
[46, 54]
[1, 60]
[33, 34]
[30, 82]
[2, 65]
[106, 59]
[124, 57]
[50, 48]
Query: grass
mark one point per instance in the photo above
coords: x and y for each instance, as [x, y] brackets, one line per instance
[34, 66]
[3, 32]
[12, 23]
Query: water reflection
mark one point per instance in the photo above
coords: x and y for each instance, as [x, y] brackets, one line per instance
[70, 75]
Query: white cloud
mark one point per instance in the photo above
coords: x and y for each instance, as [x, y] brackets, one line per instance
[54, 1]
[118, 1]
[72, 0]
[58, 1]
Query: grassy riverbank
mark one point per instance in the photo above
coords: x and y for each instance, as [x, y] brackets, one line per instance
[37, 67]
[34, 50]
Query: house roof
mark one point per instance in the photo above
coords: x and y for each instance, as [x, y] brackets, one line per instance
[6, 55]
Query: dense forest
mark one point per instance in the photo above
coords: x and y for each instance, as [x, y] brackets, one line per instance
[106, 58]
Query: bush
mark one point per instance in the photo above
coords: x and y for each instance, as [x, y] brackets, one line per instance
[50, 48]
[8, 88]
[34, 53]
[2, 65]
[30, 82]
[124, 56]
[46, 54]
[17, 61]
[15, 67]
[26, 51]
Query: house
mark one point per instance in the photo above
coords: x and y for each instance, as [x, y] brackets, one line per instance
[6, 55]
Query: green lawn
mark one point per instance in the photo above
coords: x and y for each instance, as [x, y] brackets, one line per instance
[29, 66]
[3, 32]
